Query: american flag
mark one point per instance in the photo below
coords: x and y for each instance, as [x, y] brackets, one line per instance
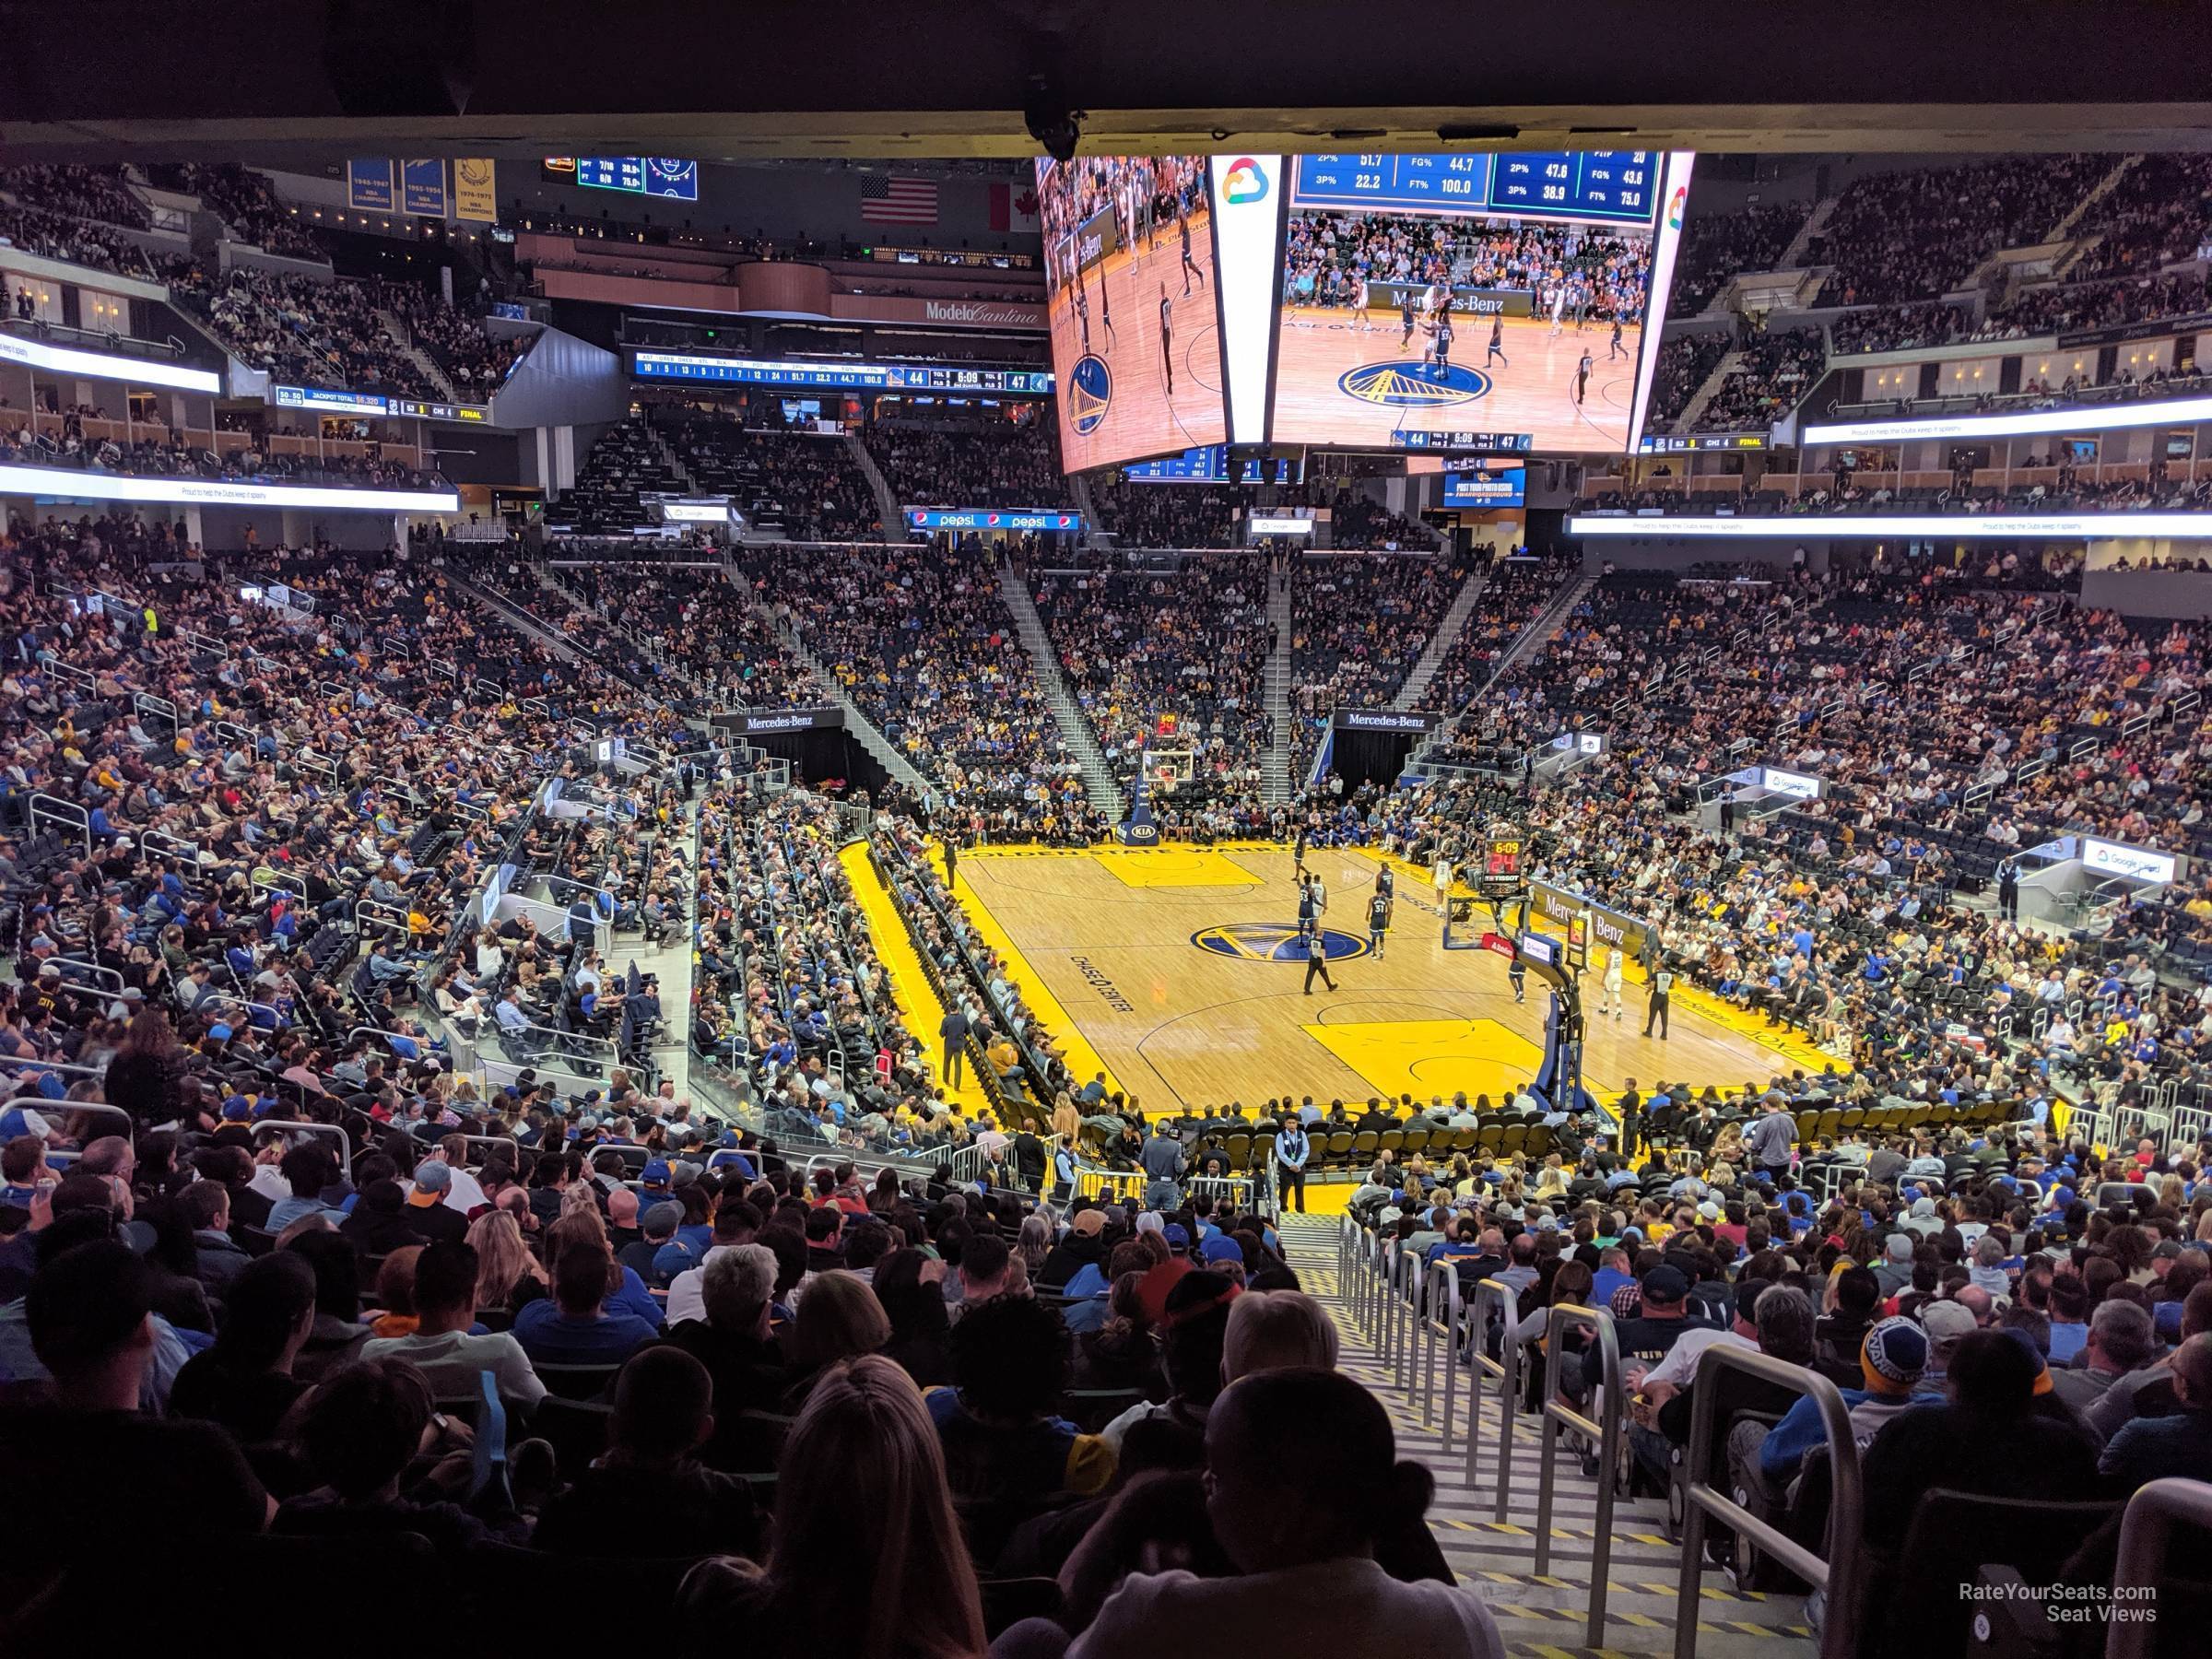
[887, 201]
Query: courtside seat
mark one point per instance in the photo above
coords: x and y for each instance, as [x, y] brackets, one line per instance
[1416, 1142]
[1364, 1145]
[1239, 1148]
[1262, 1152]
[1393, 1140]
[1341, 1145]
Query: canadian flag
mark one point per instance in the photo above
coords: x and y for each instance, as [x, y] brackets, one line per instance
[1013, 207]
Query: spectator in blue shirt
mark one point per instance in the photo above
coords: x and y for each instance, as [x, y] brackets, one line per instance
[575, 1326]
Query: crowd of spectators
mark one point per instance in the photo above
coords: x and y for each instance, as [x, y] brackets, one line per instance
[1916, 235]
[73, 240]
[1717, 247]
[1357, 628]
[1683, 364]
[246, 203]
[1166, 656]
[806, 485]
[79, 193]
[1169, 515]
[2154, 216]
[171, 458]
[994, 464]
[1775, 370]
[923, 643]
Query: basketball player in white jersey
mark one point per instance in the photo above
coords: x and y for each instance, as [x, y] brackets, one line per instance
[1558, 305]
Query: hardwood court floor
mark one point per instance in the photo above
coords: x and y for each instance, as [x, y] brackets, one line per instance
[1158, 966]
[1143, 419]
[1534, 392]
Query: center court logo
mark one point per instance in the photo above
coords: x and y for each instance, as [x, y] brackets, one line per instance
[1273, 942]
[1244, 181]
[1089, 395]
[1413, 386]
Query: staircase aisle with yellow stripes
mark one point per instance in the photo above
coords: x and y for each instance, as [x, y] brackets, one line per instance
[1547, 1616]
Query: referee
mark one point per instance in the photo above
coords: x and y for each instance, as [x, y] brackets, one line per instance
[1317, 960]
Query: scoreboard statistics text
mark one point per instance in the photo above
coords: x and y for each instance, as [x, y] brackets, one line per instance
[1616, 187]
[1208, 463]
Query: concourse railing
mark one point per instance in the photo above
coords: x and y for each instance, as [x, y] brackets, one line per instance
[1611, 1403]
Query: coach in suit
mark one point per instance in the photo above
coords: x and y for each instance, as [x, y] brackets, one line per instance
[953, 1031]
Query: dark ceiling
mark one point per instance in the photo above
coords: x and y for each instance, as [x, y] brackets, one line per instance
[310, 81]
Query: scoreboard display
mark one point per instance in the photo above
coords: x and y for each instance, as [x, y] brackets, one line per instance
[1501, 853]
[1486, 487]
[839, 377]
[1617, 187]
[1208, 463]
[633, 175]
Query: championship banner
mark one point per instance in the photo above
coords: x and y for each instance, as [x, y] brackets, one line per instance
[422, 187]
[369, 186]
[476, 190]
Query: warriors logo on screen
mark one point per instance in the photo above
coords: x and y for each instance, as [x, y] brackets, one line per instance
[1089, 393]
[1245, 181]
[1273, 942]
[1413, 386]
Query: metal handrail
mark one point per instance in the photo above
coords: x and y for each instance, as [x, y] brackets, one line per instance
[2144, 1526]
[1606, 1430]
[1506, 1368]
[288, 1128]
[1839, 1573]
[1443, 1292]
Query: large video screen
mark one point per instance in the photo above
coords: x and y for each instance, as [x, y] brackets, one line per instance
[1131, 299]
[1437, 293]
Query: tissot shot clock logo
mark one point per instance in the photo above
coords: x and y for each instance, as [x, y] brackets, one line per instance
[1413, 386]
[1089, 395]
[1246, 180]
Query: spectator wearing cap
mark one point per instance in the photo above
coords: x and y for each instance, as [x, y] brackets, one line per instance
[658, 1224]
[1645, 1339]
[1893, 1360]
[427, 1211]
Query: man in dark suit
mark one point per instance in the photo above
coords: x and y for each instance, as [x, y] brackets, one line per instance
[953, 1031]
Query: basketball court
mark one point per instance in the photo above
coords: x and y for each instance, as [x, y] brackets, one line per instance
[1176, 971]
[1122, 405]
[1339, 380]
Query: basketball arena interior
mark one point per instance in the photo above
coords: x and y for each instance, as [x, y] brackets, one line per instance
[1348, 832]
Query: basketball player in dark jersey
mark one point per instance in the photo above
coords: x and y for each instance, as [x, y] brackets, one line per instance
[1082, 305]
[1618, 351]
[1106, 302]
[1406, 315]
[1441, 345]
[1190, 266]
[1497, 351]
[1167, 337]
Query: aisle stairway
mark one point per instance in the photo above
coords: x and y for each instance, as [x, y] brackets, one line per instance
[1526, 642]
[1441, 642]
[1274, 766]
[1687, 420]
[1547, 1616]
[1076, 729]
[887, 502]
[425, 364]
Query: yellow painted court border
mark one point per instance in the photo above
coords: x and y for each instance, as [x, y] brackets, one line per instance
[919, 1005]
[1082, 1060]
